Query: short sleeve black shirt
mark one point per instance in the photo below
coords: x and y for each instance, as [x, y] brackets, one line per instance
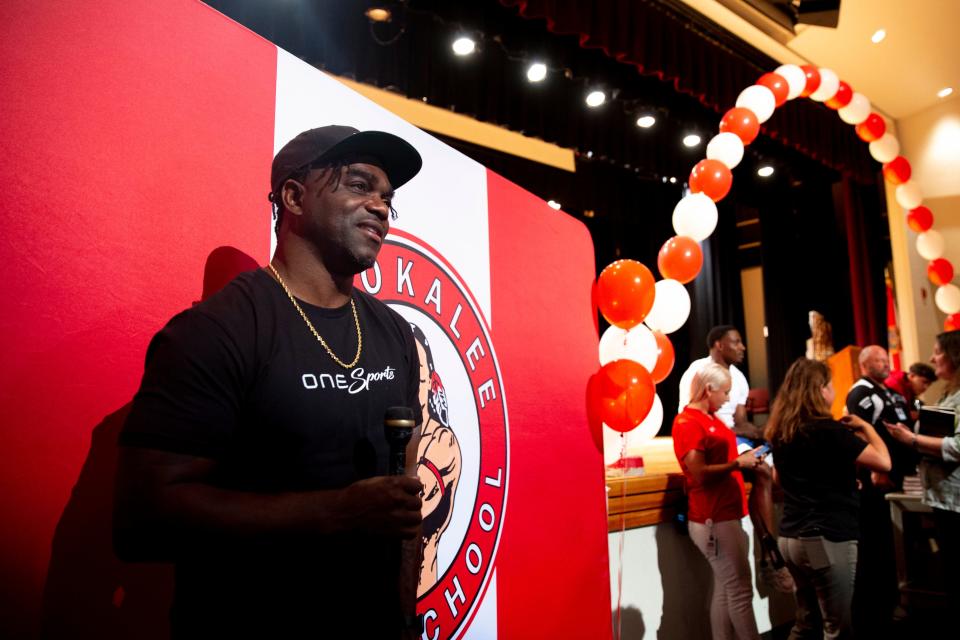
[240, 379]
[817, 470]
[877, 403]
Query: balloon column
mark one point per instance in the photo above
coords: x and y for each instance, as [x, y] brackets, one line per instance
[635, 353]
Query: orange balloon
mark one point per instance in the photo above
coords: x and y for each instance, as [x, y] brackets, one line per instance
[920, 219]
[625, 292]
[777, 85]
[625, 392]
[711, 177]
[872, 128]
[680, 259]
[897, 171]
[952, 322]
[813, 80]
[665, 360]
[940, 271]
[742, 122]
[841, 98]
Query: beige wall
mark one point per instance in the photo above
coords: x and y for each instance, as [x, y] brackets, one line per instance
[930, 140]
[752, 282]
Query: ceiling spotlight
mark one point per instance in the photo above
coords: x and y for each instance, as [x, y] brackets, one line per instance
[878, 36]
[765, 171]
[673, 180]
[691, 140]
[596, 98]
[645, 122]
[537, 72]
[378, 14]
[464, 46]
[943, 93]
[553, 204]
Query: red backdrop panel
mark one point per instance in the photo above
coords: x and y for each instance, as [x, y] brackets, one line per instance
[126, 160]
[553, 574]
[136, 138]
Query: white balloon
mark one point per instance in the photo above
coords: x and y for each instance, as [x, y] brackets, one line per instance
[727, 148]
[758, 99]
[930, 244]
[856, 110]
[671, 307]
[829, 83]
[637, 344]
[695, 216]
[908, 195]
[795, 77]
[885, 149]
[947, 298]
[648, 429]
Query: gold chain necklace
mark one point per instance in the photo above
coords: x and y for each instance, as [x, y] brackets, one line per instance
[356, 321]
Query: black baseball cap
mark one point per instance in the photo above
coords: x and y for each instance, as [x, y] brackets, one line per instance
[399, 159]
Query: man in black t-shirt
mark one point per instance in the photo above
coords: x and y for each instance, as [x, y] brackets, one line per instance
[254, 456]
[873, 401]
[876, 593]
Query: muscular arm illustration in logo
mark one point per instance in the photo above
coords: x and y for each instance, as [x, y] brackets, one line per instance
[438, 462]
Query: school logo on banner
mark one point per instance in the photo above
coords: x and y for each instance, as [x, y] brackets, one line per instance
[463, 454]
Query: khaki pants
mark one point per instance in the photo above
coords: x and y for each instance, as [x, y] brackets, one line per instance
[824, 572]
[725, 546]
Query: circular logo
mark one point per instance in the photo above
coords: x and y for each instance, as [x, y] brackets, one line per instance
[463, 452]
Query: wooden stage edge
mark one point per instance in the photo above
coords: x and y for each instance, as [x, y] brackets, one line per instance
[650, 499]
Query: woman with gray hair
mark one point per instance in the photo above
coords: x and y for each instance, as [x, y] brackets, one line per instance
[940, 467]
[707, 451]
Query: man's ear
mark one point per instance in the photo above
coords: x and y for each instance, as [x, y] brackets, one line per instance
[291, 196]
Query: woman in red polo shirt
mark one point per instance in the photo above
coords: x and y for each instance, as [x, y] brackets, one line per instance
[707, 451]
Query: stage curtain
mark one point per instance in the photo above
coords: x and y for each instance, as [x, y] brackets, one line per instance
[702, 61]
[867, 253]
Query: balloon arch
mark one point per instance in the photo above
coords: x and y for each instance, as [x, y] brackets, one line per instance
[635, 352]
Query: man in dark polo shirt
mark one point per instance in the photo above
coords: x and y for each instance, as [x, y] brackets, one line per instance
[876, 592]
[254, 456]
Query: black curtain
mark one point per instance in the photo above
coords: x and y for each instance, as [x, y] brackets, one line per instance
[689, 73]
[669, 41]
[636, 221]
[805, 267]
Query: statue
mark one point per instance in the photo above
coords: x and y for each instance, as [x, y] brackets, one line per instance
[820, 343]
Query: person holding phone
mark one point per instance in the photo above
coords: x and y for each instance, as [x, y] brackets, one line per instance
[816, 464]
[707, 451]
[940, 466]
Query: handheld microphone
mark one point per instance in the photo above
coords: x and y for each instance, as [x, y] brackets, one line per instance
[398, 425]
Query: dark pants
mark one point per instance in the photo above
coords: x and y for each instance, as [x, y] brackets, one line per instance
[876, 592]
[948, 539]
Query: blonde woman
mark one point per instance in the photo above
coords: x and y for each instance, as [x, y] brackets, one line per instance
[707, 451]
[816, 464]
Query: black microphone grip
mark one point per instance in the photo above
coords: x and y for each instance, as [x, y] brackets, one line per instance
[398, 425]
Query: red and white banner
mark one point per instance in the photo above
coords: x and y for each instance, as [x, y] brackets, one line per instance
[137, 137]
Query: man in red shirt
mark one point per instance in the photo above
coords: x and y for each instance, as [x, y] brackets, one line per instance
[912, 383]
